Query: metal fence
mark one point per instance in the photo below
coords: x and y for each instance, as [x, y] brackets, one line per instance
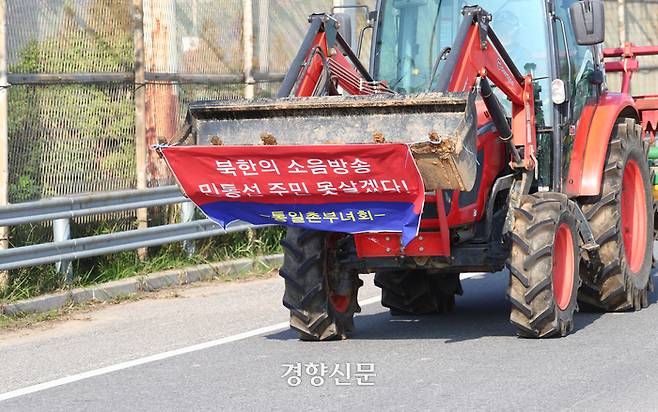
[634, 21]
[95, 82]
[64, 249]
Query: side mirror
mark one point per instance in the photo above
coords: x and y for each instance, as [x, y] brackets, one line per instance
[588, 21]
[345, 26]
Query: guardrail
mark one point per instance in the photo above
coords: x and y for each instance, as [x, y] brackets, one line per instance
[86, 205]
[61, 210]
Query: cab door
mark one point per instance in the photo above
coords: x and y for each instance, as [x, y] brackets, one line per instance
[575, 67]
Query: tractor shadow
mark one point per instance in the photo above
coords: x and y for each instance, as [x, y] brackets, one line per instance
[483, 311]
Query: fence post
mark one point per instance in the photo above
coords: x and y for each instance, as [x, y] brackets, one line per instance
[350, 12]
[161, 99]
[187, 210]
[4, 133]
[263, 36]
[61, 233]
[248, 48]
[140, 112]
[621, 5]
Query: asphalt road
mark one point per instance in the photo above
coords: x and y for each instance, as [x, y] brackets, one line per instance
[467, 360]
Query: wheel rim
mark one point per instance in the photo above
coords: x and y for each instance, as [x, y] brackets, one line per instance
[563, 266]
[634, 216]
[340, 302]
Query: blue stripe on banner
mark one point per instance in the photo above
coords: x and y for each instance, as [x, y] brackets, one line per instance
[356, 217]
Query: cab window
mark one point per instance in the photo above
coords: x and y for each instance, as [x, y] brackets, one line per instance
[576, 64]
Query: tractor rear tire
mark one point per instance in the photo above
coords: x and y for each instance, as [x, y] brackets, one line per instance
[417, 292]
[543, 266]
[617, 277]
[315, 311]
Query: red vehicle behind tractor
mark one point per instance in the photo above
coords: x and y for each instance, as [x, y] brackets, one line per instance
[529, 161]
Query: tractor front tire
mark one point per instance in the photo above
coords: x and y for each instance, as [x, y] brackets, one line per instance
[316, 312]
[617, 277]
[543, 266]
[417, 292]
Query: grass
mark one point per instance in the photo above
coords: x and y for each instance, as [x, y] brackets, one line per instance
[25, 321]
[29, 282]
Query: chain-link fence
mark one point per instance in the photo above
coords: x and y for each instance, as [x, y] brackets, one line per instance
[69, 138]
[71, 63]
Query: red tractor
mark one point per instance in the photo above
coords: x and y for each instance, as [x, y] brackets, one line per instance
[546, 173]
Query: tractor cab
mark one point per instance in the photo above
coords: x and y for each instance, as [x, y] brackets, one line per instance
[412, 40]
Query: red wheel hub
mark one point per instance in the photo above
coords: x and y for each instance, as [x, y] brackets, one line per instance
[340, 302]
[563, 266]
[634, 216]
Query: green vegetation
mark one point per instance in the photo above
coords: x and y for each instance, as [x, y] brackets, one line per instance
[23, 321]
[30, 282]
[57, 131]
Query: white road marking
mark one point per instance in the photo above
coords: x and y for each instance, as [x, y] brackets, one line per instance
[165, 355]
[153, 358]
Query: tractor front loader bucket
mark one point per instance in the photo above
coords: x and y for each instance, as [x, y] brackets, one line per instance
[440, 128]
